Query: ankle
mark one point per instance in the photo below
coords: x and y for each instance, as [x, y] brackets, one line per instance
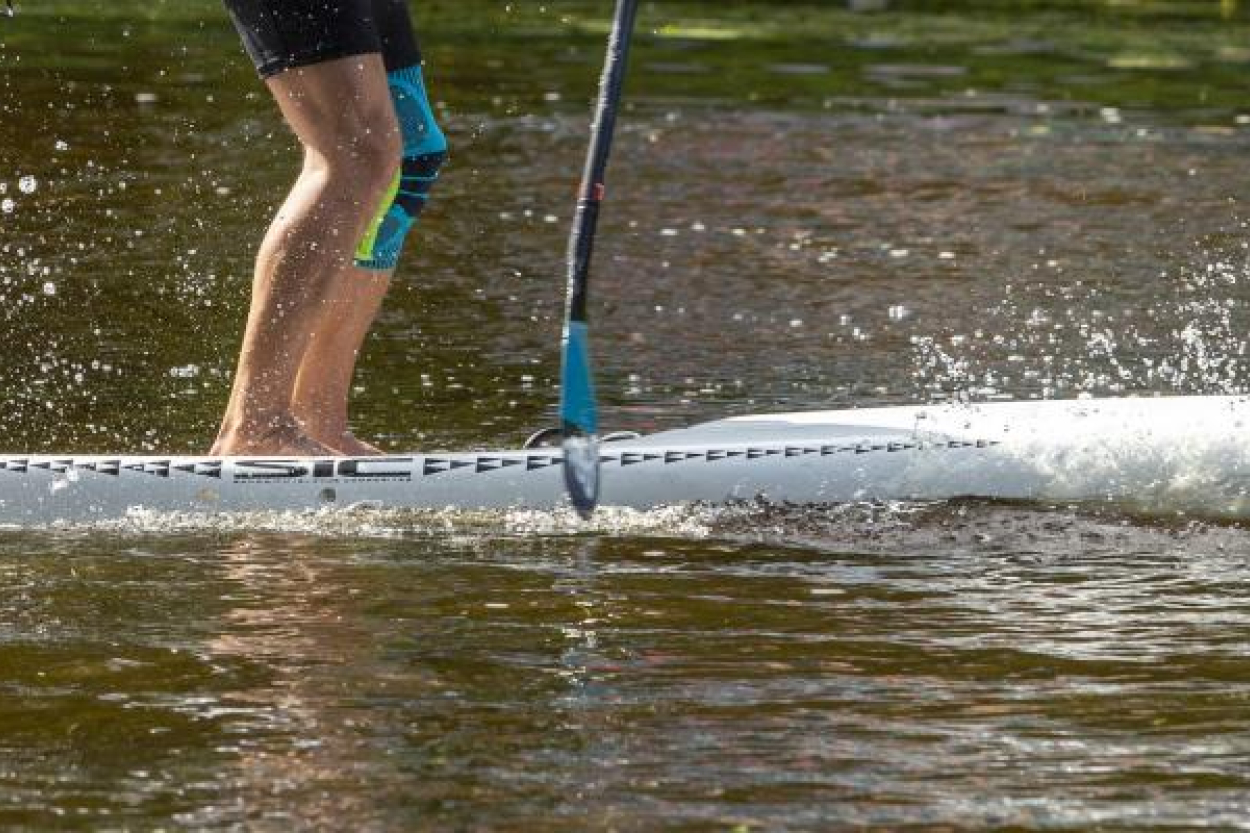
[259, 424]
[319, 426]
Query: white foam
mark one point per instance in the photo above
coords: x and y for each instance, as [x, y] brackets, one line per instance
[677, 521]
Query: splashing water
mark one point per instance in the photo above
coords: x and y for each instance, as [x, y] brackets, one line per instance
[687, 522]
[1058, 338]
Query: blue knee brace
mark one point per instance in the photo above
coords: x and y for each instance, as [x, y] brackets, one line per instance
[425, 149]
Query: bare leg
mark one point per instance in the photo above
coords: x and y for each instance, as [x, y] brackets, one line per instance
[341, 112]
[324, 384]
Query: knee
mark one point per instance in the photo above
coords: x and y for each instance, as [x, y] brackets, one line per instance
[374, 161]
[360, 164]
[424, 145]
[423, 149]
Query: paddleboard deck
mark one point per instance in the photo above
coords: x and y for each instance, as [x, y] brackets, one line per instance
[1171, 453]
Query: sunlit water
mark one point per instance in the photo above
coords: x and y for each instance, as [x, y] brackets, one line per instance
[791, 224]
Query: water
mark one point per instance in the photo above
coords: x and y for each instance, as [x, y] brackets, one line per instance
[961, 666]
[808, 208]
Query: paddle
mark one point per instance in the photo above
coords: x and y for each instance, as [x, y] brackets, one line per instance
[578, 411]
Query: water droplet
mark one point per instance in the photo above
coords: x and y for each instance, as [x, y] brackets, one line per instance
[49, 288]
[27, 184]
[7, 206]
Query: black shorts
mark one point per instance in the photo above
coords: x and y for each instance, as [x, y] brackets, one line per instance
[281, 34]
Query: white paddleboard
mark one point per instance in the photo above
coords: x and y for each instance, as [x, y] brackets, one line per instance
[1163, 453]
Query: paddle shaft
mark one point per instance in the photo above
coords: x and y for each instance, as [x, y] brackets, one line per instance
[581, 239]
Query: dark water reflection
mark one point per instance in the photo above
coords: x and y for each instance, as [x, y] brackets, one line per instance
[809, 208]
[971, 665]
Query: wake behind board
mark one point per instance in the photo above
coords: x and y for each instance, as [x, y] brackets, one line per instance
[1172, 453]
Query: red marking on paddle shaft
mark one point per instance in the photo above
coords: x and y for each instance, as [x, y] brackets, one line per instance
[598, 192]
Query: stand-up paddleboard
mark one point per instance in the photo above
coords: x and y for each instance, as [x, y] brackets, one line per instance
[1171, 453]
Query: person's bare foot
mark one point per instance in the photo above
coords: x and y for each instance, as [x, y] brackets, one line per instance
[348, 445]
[281, 440]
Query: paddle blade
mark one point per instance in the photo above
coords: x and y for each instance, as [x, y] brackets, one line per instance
[579, 421]
[581, 472]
